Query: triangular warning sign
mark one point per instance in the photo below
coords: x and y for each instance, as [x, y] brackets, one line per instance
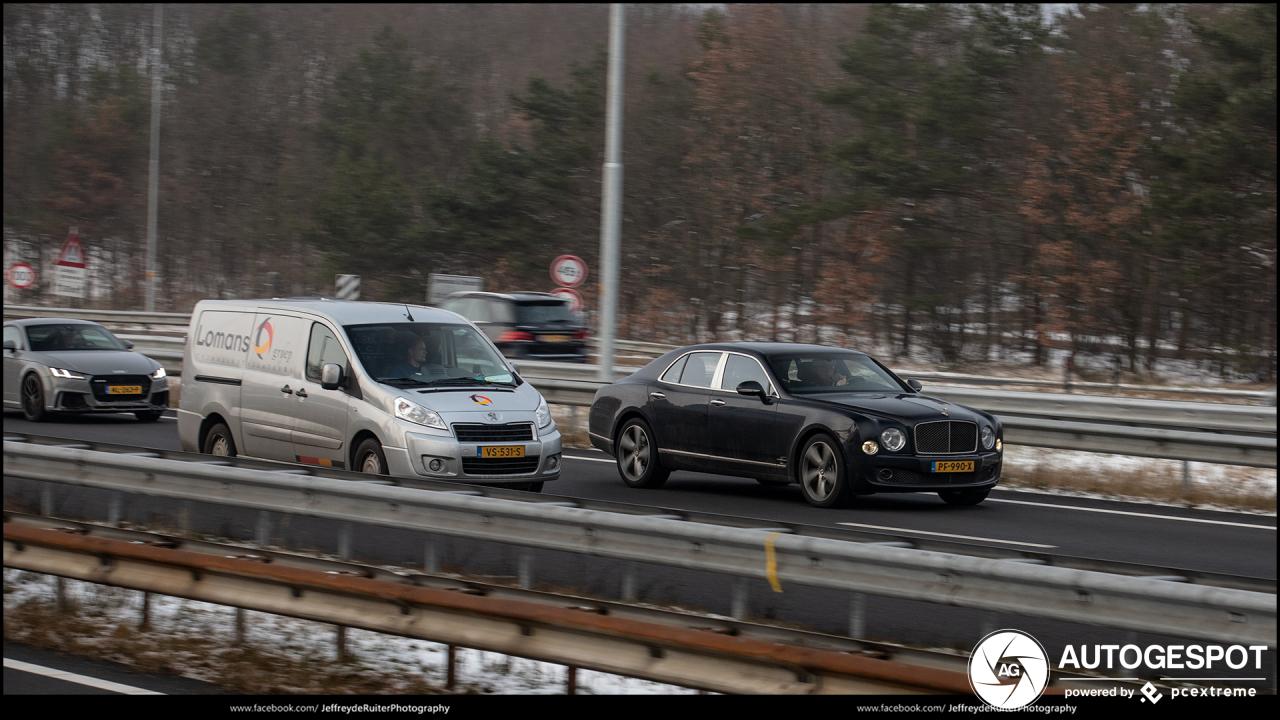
[72, 254]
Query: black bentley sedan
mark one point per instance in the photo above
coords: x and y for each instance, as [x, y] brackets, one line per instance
[835, 421]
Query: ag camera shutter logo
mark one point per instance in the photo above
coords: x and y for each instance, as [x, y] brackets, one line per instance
[1008, 669]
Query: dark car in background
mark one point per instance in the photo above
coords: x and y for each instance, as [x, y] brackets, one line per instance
[524, 325]
[834, 421]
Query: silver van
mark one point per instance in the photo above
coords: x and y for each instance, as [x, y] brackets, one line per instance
[374, 387]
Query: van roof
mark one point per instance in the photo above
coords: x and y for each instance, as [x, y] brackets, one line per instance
[343, 312]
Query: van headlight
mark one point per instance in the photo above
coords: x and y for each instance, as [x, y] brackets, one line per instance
[988, 437]
[158, 374]
[415, 413]
[893, 439]
[60, 373]
[543, 413]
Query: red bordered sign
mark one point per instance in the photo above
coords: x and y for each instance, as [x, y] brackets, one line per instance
[21, 276]
[568, 271]
[571, 296]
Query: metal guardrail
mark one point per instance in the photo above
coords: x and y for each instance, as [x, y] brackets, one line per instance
[1139, 604]
[661, 653]
[177, 322]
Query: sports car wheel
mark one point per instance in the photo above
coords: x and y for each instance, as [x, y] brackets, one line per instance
[638, 456]
[33, 399]
[963, 497]
[822, 477]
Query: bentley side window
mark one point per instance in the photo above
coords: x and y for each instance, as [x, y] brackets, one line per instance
[672, 375]
[700, 369]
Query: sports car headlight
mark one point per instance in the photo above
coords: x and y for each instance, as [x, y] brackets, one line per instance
[414, 413]
[988, 437]
[543, 413]
[60, 373]
[893, 439]
[158, 374]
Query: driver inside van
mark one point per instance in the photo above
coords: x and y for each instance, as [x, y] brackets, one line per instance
[415, 364]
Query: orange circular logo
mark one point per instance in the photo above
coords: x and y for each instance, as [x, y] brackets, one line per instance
[481, 400]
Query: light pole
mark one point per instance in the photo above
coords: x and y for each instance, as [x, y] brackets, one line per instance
[611, 200]
[153, 190]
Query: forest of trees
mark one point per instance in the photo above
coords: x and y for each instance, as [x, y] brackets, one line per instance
[962, 183]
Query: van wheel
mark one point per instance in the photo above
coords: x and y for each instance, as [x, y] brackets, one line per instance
[370, 459]
[219, 442]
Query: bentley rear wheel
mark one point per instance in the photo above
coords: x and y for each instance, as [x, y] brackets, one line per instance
[637, 455]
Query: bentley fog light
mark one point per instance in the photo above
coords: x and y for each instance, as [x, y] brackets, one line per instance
[893, 439]
[999, 446]
[988, 437]
[870, 447]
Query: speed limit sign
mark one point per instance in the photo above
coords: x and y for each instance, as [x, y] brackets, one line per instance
[21, 276]
[568, 271]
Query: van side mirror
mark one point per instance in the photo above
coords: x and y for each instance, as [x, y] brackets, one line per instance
[10, 345]
[515, 366]
[915, 385]
[331, 376]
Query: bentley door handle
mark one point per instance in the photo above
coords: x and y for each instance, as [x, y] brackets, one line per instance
[717, 402]
[286, 390]
[657, 395]
[302, 392]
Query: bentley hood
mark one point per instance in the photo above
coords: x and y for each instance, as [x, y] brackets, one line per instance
[907, 408]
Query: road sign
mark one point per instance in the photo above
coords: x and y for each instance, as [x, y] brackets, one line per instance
[69, 273]
[348, 287]
[440, 286]
[571, 296]
[21, 276]
[569, 271]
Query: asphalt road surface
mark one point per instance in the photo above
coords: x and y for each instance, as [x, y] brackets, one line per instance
[1223, 542]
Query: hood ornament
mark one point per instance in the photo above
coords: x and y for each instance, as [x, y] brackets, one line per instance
[944, 410]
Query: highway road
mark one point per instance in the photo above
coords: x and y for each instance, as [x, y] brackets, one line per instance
[1223, 542]
[37, 671]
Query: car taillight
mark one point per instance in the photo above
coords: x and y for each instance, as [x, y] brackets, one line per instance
[580, 335]
[515, 336]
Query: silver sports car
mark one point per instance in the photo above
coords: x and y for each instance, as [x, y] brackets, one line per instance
[54, 366]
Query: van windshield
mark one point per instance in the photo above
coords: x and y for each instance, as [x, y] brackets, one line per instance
[426, 354]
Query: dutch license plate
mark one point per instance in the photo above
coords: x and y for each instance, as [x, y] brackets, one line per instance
[952, 466]
[124, 389]
[500, 451]
[554, 338]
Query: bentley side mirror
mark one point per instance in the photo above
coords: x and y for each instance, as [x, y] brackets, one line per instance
[751, 387]
[915, 385]
[331, 376]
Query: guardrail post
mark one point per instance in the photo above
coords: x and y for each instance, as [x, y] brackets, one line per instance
[738, 607]
[1186, 477]
[342, 643]
[571, 681]
[46, 500]
[988, 624]
[629, 572]
[524, 569]
[239, 626]
[146, 611]
[430, 561]
[113, 508]
[264, 527]
[63, 605]
[858, 616]
[451, 672]
[184, 518]
[344, 540]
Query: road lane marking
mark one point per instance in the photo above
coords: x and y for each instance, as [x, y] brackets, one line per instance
[1135, 514]
[940, 534]
[78, 679]
[575, 457]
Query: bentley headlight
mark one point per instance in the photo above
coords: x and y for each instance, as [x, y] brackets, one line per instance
[988, 437]
[893, 439]
[414, 413]
[158, 374]
[543, 413]
[60, 373]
